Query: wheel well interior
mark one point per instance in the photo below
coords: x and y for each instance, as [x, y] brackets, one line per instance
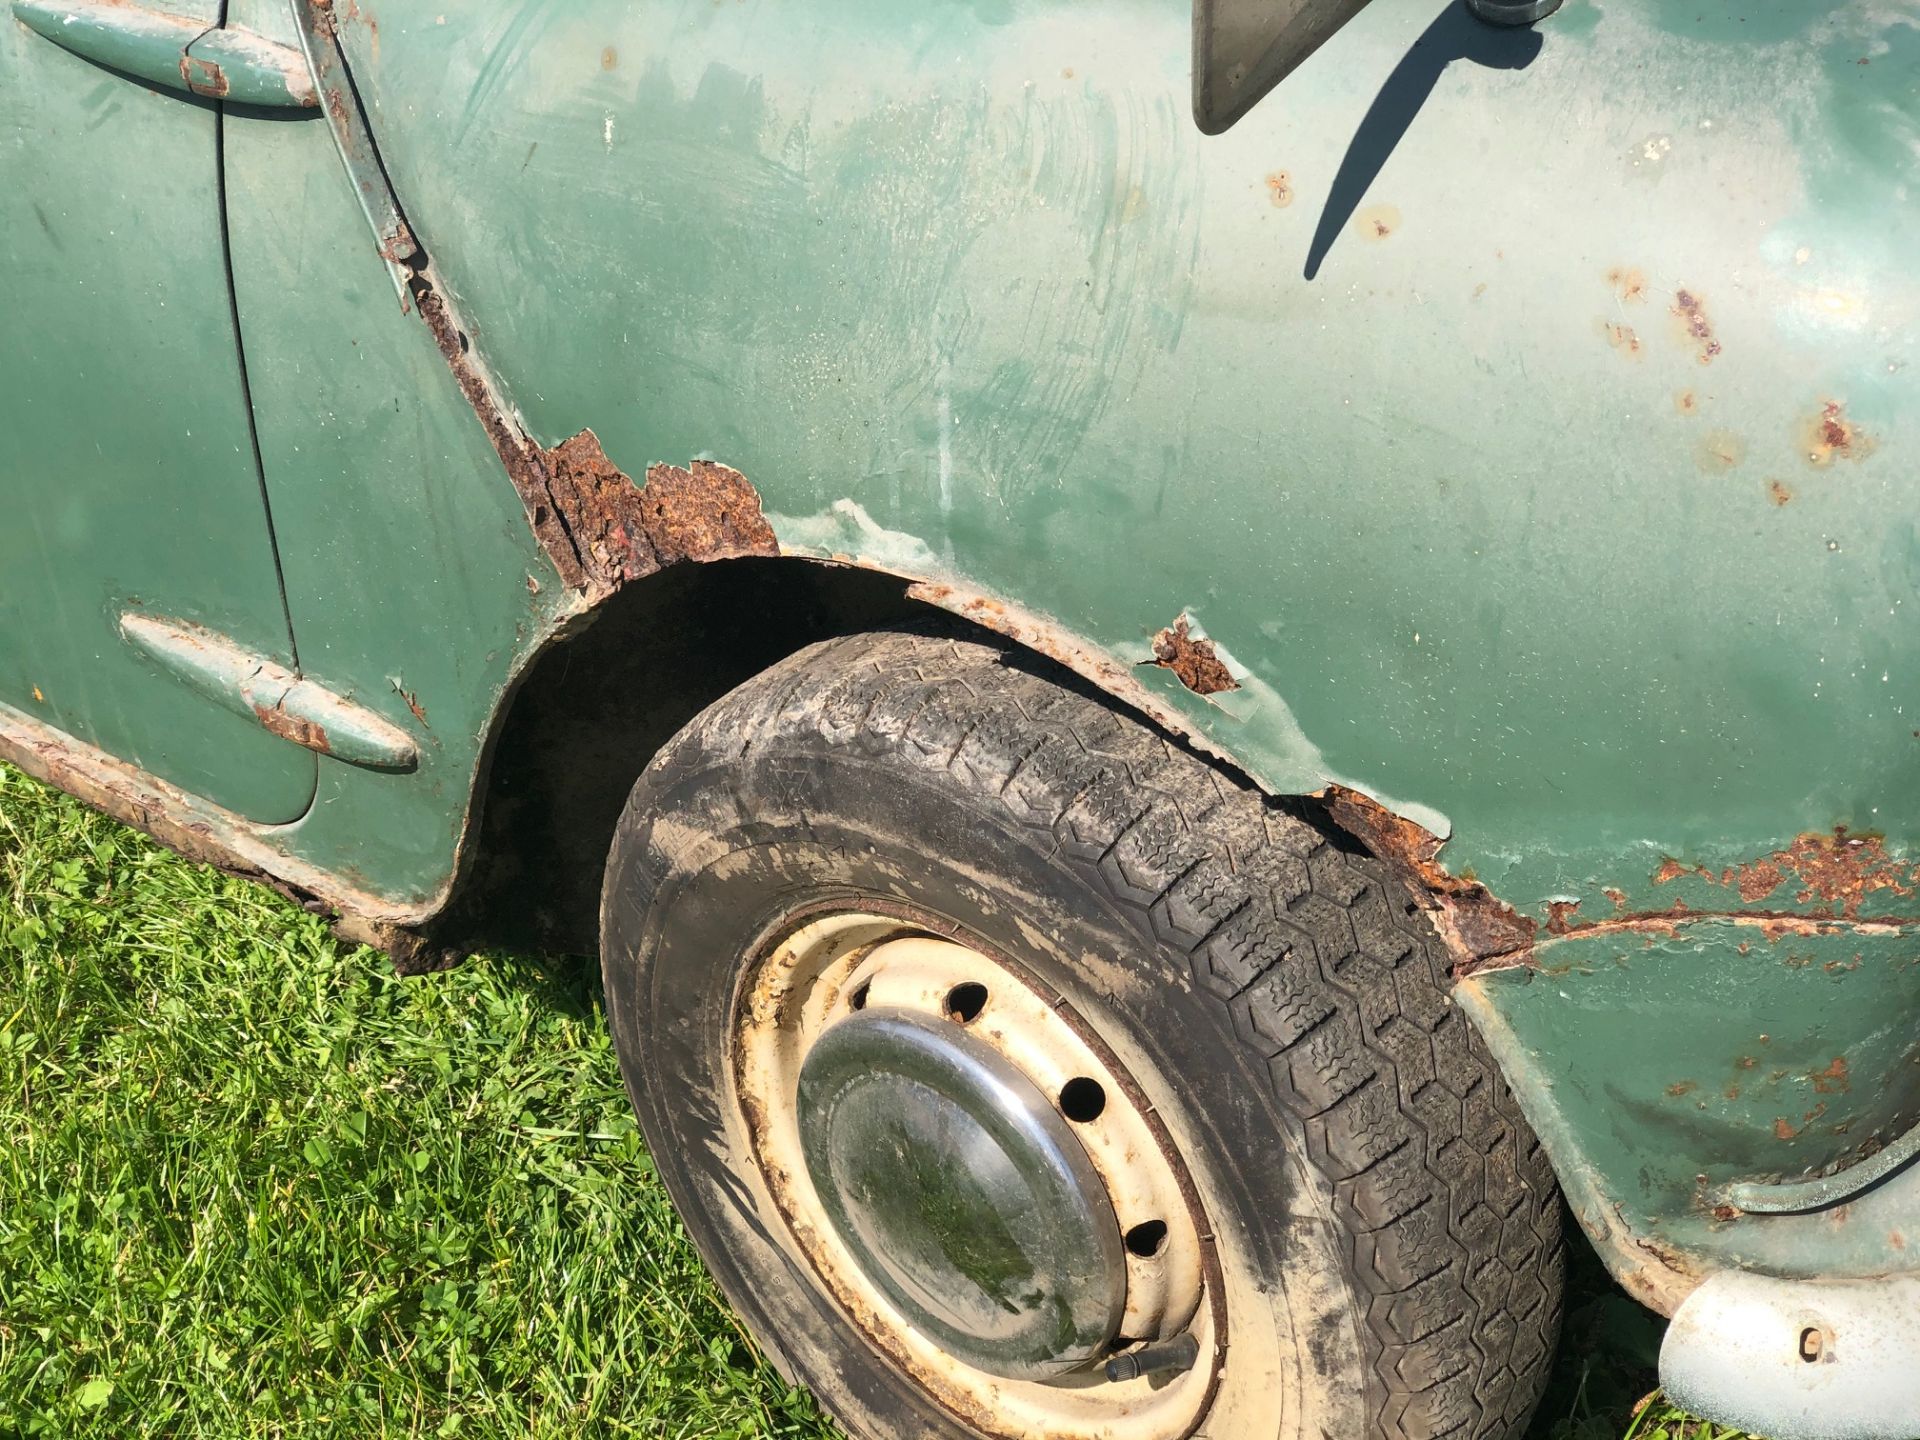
[595, 707]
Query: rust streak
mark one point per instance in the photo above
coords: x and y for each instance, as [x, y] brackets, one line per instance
[1487, 933]
[1192, 661]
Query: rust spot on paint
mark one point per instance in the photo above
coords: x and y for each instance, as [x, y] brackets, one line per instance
[1718, 451]
[1485, 931]
[1778, 493]
[1840, 869]
[1687, 403]
[203, 77]
[1280, 189]
[1192, 661]
[609, 59]
[1618, 897]
[1377, 222]
[1560, 915]
[1622, 338]
[307, 733]
[412, 701]
[1691, 312]
[1672, 869]
[1629, 282]
[1783, 1128]
[1833, 1080]
[38, 697]
[1830, 436]
[1681, 1087]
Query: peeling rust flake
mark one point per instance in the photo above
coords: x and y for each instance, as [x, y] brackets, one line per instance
[1192, 661]
[1489, 933]
[706, 511]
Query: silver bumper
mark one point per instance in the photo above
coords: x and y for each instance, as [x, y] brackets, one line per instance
[1799, 1359]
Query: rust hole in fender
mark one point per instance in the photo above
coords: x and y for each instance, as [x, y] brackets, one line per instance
[706, 511]
[1486, 931]
[1192, 661]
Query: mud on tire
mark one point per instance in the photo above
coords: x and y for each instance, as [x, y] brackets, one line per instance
[1365, 1163]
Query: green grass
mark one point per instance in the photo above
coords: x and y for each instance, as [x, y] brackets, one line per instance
[254, 1184]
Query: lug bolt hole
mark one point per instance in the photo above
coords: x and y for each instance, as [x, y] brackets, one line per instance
[1082, 1099]
[1146, 1239]
[1812, 1343]
[965, 1002]
[858, 999]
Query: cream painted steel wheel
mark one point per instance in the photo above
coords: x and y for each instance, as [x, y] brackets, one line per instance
[976, 1180]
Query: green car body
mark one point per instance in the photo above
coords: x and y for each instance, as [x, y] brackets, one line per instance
[1525, 417]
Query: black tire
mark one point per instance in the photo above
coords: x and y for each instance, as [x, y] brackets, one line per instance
[1369, 1167]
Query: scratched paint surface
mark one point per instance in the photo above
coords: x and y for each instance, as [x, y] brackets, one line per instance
[1524, 416]
[126, 474]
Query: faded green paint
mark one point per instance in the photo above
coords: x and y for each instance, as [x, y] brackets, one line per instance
[1548, 484]
[128, 471]
[137, 41]
[410, 574]
[248, 69]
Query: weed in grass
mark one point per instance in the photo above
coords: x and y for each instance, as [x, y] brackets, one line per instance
[253, 1184]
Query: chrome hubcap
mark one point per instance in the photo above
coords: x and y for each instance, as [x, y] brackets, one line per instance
[962, 1193]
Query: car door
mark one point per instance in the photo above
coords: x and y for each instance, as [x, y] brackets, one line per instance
[140, 603]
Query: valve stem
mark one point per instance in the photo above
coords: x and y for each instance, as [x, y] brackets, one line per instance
[1177, 1354]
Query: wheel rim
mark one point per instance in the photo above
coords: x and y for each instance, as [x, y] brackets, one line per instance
[974, 1178]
